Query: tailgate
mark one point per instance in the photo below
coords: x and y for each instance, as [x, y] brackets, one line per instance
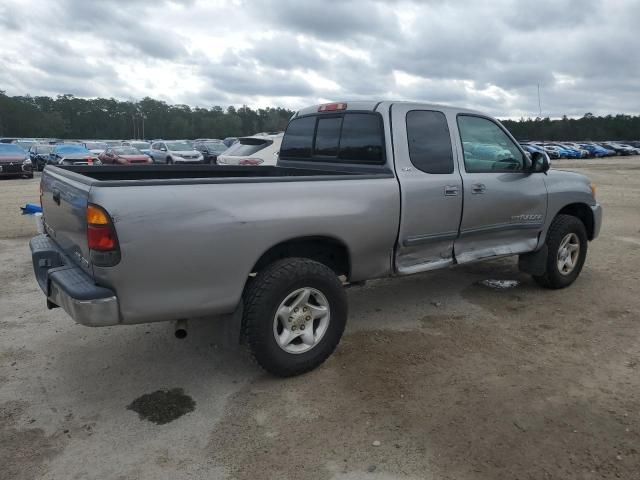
[64, 206]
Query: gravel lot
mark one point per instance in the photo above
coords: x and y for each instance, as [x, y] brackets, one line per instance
[437, 377]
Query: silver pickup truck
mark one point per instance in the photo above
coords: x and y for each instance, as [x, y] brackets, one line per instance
[361, 190]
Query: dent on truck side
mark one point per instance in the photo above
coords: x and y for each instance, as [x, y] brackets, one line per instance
[565, 189]
[187, 250]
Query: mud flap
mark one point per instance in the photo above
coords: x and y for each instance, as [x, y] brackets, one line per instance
[534, 263]
[233, 337]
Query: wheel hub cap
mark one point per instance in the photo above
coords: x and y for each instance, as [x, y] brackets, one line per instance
[301, 320]
[568, 253]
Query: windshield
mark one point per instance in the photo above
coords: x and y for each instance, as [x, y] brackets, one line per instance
[127, 151]
[140, 145]
[26, 145]
[217, 147]
[10, 150]
[67, 149]
[44, 148]
[96, 145]
[178, 146]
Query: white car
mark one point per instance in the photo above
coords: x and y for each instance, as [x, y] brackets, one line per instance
[254, 150]
[96, 147]
[174, 151]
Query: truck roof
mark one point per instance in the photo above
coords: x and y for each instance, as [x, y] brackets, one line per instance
[373, 105]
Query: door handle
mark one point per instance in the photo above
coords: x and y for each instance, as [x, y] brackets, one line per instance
[478, 188]
[450, 191]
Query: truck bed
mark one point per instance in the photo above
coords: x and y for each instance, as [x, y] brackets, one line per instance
[108, 175]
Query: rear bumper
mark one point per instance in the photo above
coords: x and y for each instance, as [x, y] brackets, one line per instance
[68, 286]
[597, 219]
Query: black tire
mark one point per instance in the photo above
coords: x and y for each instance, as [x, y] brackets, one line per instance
[562, 226]
[169, 161]
[267, 291]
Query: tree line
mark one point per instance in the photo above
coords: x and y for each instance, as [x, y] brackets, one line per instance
[67, 116]
[588, 127]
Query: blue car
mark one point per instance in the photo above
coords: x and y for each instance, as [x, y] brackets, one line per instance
[72, 154]
[597, 151]
[568, 152]
[532, 148]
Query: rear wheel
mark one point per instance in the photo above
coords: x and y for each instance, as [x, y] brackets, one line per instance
[567, 250]
[295, 311]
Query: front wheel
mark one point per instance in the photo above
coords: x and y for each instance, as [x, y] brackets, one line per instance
[567, 250]
[295, 311]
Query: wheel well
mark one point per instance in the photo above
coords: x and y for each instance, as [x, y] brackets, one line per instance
[583, 212]
[331, 252]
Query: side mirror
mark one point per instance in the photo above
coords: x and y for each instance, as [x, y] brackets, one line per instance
[540, 162]
[163, 149]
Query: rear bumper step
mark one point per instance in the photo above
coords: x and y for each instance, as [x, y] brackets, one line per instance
[69, 287]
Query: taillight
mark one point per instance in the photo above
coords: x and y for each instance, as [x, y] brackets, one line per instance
[101, 235]
[250, 161]
[90, 161]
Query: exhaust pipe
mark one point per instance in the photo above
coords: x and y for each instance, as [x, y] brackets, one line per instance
[181, 329]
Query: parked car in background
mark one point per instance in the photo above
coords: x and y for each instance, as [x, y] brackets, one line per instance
[631, 148]
[95, 147]
[72, 154]
[568, 151]
[210, 149]
[175, 151]
[552, 152]
[596, 150]
[584, 153]
[144, 147]
[124, 156]
[255, 150]
[619, 149]
[39, 155]
[14, 161]
[230, 141]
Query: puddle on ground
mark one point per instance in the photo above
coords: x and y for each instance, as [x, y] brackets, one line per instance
[162, 406]
[499, 284]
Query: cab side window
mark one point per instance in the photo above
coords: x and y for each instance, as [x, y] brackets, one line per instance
[429, 141]
[487, 148]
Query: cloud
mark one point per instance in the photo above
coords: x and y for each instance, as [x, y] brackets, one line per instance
[485, 55]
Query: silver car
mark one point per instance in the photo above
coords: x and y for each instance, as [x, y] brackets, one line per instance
[175, 152]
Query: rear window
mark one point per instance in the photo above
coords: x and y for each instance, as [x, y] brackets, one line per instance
[247, 146]
[429, 141]
[346, 138]
[298, 139]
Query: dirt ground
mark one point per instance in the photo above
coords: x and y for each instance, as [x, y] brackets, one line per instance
[437, 377]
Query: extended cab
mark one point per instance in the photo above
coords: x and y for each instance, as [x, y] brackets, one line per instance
[361, 190]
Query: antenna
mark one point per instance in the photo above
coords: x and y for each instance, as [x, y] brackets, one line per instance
[539, 104]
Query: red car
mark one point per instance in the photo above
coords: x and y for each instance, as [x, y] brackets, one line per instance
[124, 156]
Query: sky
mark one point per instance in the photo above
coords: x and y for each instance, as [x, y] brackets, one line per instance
[488, 55]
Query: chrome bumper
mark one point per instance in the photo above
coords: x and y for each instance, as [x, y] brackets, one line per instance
[68, 286]
[98, 312]
[597, 219]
